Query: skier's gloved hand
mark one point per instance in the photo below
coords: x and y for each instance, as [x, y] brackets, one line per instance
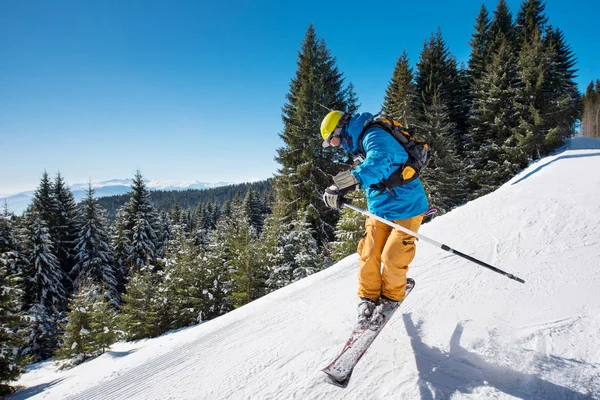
[333, 197]
[345, 182]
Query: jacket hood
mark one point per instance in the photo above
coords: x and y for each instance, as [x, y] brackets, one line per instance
[353, 130]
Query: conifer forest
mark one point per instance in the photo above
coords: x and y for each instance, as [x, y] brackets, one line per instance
[76, 278]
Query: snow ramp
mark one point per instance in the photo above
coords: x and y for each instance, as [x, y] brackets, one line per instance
[464, 333]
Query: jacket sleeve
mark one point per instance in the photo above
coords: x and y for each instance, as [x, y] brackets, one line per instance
[384, 155]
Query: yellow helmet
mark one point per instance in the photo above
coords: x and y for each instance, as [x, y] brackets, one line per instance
[329, 124]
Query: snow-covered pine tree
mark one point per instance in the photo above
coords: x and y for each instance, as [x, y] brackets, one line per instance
[65, 229]
[77, 343]
[165, 233]
[103, 324]
[44, 203]
[138, 316]
[142, 226]
[534, 101]
[349, 229]
[43, 274]
[218, 294]
[297, 254]
[120, 249]
[93, 256]
[10, 305]
[444, 178]
[175, 214]
[493, 151]
[306, 167]
[239, 238]
[185, 283]
[438, 75]
[44, 295]
[550, 100]
[254, 210]
[9, 246]
[401, 102]
[268, 246]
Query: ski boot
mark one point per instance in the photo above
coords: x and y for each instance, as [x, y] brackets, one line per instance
[384, 308]
[365, 311]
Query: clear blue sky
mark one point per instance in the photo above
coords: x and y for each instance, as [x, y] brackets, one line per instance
[193, 90]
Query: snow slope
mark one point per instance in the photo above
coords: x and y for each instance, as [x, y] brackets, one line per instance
[465, 332]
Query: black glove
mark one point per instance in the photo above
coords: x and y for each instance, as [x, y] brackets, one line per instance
[345, 183]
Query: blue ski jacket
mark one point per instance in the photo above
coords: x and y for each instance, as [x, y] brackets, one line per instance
[383, 155]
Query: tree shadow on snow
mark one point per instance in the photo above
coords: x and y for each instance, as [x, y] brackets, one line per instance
[33, 390]
[442, 374]
[120, 354]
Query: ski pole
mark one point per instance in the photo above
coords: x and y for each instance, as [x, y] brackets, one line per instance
[433, 242]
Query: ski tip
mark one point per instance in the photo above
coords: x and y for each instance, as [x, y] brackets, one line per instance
[332, 380]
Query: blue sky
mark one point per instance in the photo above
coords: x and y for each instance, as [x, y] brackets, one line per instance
[193, 90]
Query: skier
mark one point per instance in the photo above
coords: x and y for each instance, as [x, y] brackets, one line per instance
[379, 155]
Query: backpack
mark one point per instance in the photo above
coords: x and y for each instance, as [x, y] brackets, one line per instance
[419, 152]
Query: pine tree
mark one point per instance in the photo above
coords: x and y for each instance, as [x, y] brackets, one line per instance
[94, 261]
[350, 228]
[41, 333]
[44, 295]
[141, 223]
[438, 76]
[566, 107]
[218, 295]
[534, 100]
[401, 96]
[10, 305]
[43, 273]
[443, 179]
[268, 247]
[103, 323]
[254, 210]
[64, 228]
[501, 28]
[185, 283]
[492, 149]
[305, 165]
[175, 214]
[297, 254]
[165, 233]
[479, 45]
[77, 343]
[44, 202]
[530, 18]
[239, 237]
[138, 316]
[120, 248]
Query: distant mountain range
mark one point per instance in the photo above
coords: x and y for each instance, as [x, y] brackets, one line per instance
[18, 202]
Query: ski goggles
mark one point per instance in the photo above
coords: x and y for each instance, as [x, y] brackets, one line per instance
[335, 139]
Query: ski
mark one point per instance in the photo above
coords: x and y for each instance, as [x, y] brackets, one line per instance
[340, 369]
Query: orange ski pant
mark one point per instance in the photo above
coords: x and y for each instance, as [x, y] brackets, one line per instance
[395, 249]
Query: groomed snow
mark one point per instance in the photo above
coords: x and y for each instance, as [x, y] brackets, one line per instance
[464, 333]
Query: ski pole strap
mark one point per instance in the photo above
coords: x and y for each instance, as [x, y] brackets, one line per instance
[433, 242]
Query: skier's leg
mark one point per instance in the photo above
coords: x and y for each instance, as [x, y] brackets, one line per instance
[369, 250]
[398, 252]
